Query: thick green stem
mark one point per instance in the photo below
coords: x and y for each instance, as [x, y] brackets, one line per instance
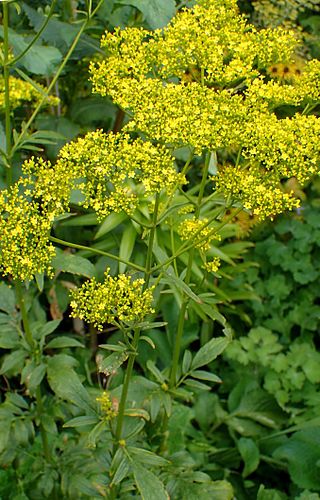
[136, 338]
[182, 313]
[97, 251]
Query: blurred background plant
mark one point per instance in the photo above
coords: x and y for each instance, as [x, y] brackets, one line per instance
[260, 430]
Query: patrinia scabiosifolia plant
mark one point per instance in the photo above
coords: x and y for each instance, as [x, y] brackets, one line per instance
[202, 84]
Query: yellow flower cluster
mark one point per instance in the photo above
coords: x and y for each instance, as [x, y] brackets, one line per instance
[213, 265]
[107, 406]
[21, 91]
[112, 171]
[116, 299]
[276, 150]
[118, 170]
[284, 148]
[146, 74]
[259, 191]
[204, 81]
[189, 227]
[24, 227]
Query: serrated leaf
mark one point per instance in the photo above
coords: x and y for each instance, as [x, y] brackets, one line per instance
[74, 264]
[39, 59]
[148, 484]
[156, 12]
[250, 455]
[66, 384]
[110, 364]
[302, 451]
[61, 342]
[209, 352]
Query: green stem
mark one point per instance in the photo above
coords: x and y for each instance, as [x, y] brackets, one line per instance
[6, 77]
[36, 37]
[97, 251]
[187, 246]
[55, 78]
[182, 313]
[24, 314]
[137, 331]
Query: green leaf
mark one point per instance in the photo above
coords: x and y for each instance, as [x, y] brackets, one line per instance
[302, 453]
[73, 264]
[126, 246]
[7, 299]
[36, 377]
[81, 220]
[216, 490]
[211, 312]
[9, 337]
[250, 455]
[194, 384]
[61, 34]
[111, 222]
[39, 60]
[49, 327]
[66, 384]
[40, 281]
[156, 12]
[82, 421]
[5, 426]
[203, 375]
[94, 435]
[61, 342]
[111, 363]
[13, 361]
[186, 361]
[171, 279]
[155, 371]
[137, 412]
[121, 471]
[209, 352]
[148, 484]
[146, 457]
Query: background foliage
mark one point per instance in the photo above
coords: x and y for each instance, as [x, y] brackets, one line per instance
[254, 437]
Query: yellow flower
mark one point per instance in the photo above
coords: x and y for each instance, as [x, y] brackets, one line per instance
[116, 299]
